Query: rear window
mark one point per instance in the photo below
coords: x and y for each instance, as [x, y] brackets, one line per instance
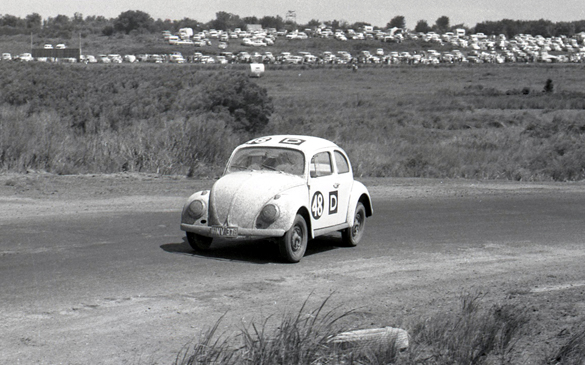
[341, 162]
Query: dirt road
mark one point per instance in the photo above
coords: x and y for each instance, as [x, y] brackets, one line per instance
[94, 269]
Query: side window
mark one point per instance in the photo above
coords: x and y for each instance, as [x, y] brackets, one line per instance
[341, 162]
[321, 165]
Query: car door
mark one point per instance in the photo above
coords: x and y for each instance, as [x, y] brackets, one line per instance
[343, 183]
[324, 189]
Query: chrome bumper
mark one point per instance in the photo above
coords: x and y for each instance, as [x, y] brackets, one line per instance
[242, 232]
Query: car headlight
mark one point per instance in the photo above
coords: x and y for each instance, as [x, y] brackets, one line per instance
[196, 209]
[268, 215]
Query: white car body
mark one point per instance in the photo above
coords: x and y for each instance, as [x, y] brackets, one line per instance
[26, 57]
[270, 182]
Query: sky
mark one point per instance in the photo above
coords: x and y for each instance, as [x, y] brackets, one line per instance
[375, 12]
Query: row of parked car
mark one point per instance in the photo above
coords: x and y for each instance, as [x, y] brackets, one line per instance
[341, 57]
[475, 48]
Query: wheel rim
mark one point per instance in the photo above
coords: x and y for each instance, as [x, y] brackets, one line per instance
[297, 239]
[357, 225]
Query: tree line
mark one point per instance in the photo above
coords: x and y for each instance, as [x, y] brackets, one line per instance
[139, 22]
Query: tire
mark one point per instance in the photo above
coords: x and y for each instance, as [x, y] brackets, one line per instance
[351, 236]
[199, 242]
[294, 243]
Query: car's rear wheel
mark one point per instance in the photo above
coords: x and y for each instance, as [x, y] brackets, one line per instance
[352, 236]
[199, 242]
[294, 243]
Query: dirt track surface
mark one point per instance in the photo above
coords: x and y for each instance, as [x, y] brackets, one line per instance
[61, 306]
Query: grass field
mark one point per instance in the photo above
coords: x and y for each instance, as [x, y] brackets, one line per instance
[470, 121]
[448, 121]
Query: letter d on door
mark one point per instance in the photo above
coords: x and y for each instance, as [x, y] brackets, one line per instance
[333, 202]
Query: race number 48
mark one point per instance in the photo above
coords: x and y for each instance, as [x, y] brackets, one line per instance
[317, 205]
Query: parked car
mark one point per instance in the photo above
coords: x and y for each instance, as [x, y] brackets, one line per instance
[177, 58]
[88, 59]
[130, 58]
[103, 59]
[286, 187]
[25, 57]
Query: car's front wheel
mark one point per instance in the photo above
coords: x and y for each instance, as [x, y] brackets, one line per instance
[352, 236]
[199, 242]
[294, 243]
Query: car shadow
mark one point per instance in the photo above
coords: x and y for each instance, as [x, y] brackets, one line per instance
[254, 251]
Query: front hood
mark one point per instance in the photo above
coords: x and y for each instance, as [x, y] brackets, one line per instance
[237, 198]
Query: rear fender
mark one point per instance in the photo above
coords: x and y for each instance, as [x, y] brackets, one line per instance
[359, 193]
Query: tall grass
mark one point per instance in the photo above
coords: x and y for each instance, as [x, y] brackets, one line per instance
[571, 352]
[473, 333]
[298, 338]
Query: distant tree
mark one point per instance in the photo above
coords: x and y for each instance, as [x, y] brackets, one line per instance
[167, 24]
[59, 22]
[442, 24]
[77, 19]
[397, 22]
[225, 21]
[542, 27]
[33, 21]
[108, 30]
[565, 28]
[492, 28]
[422, 27]
[133, 20]
[184, 23]
[338, 24]
[579, 26]
[11, 21]
[508, 27]
[313, 23]
[272, 22]
[251, 20]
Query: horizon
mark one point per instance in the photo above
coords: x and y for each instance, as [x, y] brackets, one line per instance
[374, 12]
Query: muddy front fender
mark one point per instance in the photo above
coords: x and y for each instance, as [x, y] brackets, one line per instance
[203, 197]
[289, 203]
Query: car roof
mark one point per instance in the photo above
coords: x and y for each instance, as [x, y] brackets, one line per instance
[307, 144]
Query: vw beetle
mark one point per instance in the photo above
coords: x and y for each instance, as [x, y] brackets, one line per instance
[292, 188]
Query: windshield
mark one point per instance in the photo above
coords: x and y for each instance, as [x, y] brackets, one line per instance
[266, 158]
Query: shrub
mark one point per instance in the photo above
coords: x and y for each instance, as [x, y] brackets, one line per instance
[548, 86]
[233, 93]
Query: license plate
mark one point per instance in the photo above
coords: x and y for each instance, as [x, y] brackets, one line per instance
[222, 231]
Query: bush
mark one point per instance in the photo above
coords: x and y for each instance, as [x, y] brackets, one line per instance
[125, 118]
[233, 94]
